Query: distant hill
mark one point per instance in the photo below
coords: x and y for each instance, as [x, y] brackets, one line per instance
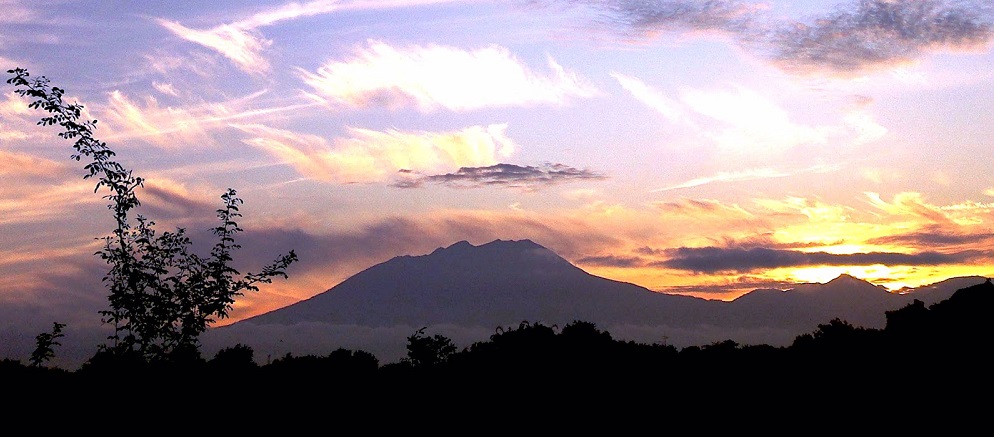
[465, 292]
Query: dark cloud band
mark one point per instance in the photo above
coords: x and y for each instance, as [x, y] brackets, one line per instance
[856, 36]
[612, 261]
[881, 32]
[934, 238]
[652, 16]
[716, 259]
[509, 175]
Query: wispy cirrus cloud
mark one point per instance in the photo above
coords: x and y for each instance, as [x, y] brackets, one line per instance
[669, 108]
[746, 175]
[377, 156]
[16, 12]
[738, 176]
[244, 44]
[44, 189]
[165, 126]
[909, 204]
[16, 119]
[881, 33]
[705, 209]
[173, 200]
[742, 122]
[914, 205]
[171, 127]
[44, 202]
[504, 175]
[751, 122]
[434, 76]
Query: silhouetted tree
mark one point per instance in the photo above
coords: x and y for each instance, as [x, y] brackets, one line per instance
[530, 350]
[352, 362]
[107, 362]
[237, 358]
[585, 332]
[44, 344]
[162, 297]
[839, 336]
[424, 350]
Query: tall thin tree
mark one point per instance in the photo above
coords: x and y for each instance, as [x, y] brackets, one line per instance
[162, 296]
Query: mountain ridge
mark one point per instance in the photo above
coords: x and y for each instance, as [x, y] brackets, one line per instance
[467, 290]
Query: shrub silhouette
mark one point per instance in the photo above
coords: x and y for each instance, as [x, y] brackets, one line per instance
[428, 351]
[234, 359]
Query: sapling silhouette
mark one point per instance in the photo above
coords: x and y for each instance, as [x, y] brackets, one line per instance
[44, 343]
[162, 296]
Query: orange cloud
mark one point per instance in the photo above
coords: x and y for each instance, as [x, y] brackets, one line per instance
[16, 165]
[377, 156]
[909, 204]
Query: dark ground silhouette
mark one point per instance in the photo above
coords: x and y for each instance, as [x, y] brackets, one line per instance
[937, 356]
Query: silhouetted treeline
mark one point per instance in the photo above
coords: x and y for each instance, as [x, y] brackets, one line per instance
[936, 349]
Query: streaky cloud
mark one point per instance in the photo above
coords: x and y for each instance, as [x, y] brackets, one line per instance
[765, 173]
[171, 199]
[174, 127]
[934, 236]
[746, 175]
[243, 44]
[612, 261]
[43, 203]
[22, 165]
[291, 11]
[718, 260]
[651, 97]
[910, 204]
[368, 156]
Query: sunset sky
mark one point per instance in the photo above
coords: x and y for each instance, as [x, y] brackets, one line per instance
[696, 147]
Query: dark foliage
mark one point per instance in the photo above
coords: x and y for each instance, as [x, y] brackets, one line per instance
[935, 356]
[951, 336]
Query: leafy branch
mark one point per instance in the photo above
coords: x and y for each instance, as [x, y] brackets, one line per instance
[162, 296]
[44, 344]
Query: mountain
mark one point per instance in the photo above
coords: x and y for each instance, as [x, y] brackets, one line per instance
[845, 297]
[465, 292]
[495, 284]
